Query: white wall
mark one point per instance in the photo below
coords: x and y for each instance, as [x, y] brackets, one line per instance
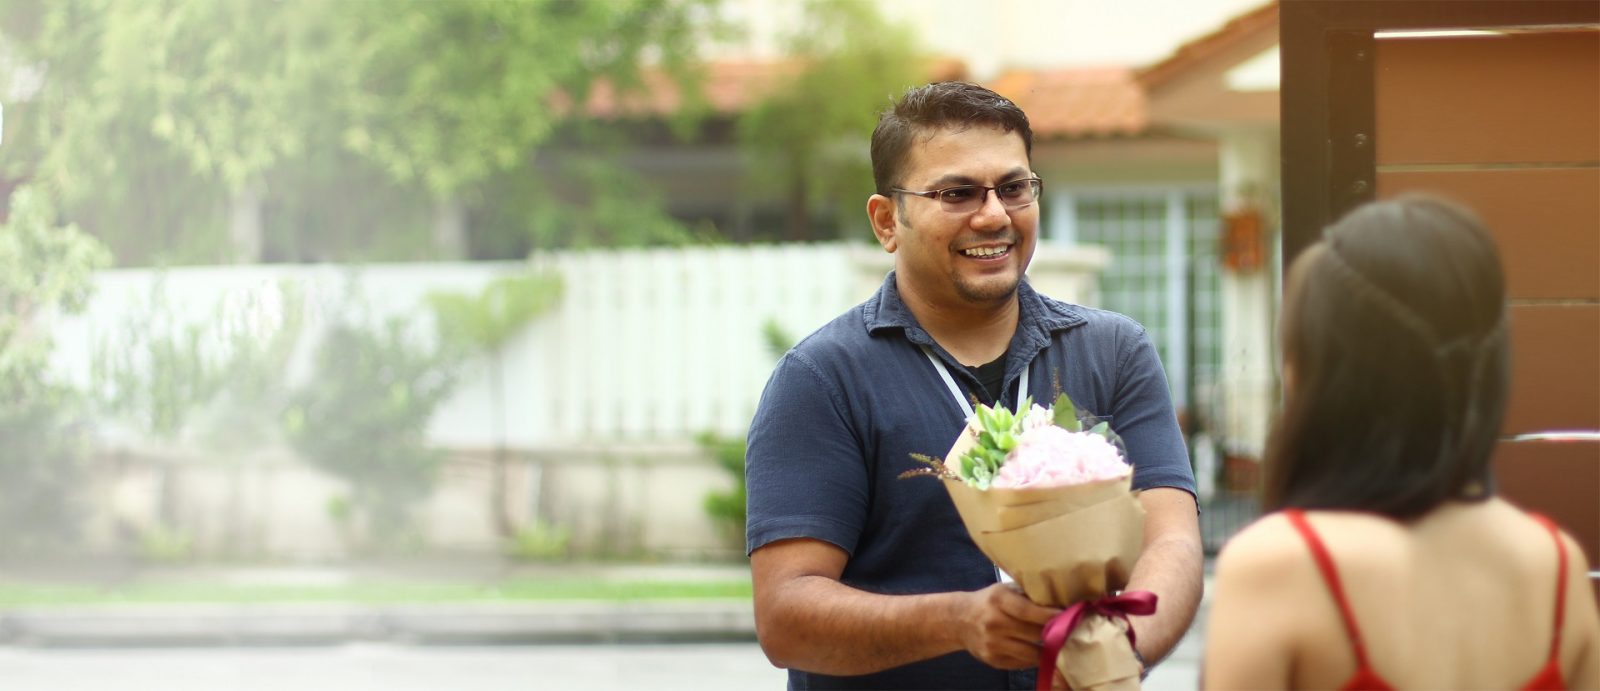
[645, 344]
[646, 349]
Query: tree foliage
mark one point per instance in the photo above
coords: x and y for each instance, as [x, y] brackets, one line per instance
[363, 416]
[451, 93]
[810, 138]
[483, 323]
[158, 111]
[217, 380]
[45, 269]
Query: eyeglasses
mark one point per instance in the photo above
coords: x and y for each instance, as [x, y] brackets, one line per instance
[965, 199]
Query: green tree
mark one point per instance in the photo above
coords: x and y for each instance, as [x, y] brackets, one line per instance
[45, 268]
[810, 138]
[461, 97]
[482, 325]
[201, 115]
[449, 93]
[204, 97]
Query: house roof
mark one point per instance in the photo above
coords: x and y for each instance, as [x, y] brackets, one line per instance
[1116, 101]
[1196, 52]
[729, 87]
[1062, 103]
[1078, 102]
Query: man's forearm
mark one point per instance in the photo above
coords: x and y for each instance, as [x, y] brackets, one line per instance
[820, 625]
[1172, 568]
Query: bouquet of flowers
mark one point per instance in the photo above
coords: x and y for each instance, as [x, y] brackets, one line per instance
[1050, 503]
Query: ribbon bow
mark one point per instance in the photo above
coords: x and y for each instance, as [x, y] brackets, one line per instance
[1056, 631]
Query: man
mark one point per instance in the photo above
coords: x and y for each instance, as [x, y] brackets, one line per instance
[866, 581]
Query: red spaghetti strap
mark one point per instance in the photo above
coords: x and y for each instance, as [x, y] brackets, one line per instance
[1331, 576]
[1561, 582]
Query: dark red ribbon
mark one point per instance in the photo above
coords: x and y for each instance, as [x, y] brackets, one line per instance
[1056, 631]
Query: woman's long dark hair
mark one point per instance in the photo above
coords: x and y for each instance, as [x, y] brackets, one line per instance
[1396, 353]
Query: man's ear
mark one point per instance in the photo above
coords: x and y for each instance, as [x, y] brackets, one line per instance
[881, 213]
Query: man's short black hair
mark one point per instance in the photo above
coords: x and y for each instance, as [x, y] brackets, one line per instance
[935, 106]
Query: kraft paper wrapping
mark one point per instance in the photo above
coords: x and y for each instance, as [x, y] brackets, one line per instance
[1063, 545]
[1098, 656]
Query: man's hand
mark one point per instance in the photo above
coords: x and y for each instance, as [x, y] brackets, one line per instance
[1002, 627]
[807, 620]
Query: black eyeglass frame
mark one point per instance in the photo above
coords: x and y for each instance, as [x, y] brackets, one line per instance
[938, 195]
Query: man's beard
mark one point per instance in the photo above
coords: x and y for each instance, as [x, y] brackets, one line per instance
[985, 294]
[991, 291]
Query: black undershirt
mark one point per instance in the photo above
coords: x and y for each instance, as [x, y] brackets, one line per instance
[990, 375]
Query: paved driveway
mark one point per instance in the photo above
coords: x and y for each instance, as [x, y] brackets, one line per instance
[393, 667]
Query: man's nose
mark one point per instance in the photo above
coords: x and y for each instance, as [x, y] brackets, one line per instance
[992, 215]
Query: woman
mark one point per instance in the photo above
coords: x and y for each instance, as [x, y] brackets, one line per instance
[1389, 562]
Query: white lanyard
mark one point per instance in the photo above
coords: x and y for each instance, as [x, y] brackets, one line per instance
[966, 409]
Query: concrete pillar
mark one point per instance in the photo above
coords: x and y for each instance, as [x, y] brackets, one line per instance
[1249, 172]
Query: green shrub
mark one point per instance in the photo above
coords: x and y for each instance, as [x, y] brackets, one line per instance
[363, 416]
[44, 267]
[162, 544]
[727, 508]
[540, 541]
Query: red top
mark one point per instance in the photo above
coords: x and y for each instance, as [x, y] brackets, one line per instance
[1549, 676]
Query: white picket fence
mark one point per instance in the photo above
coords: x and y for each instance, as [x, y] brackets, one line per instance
[649, 344]
[603, 395]
[657, 344]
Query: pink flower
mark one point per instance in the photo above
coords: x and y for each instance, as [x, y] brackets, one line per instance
[1049, 456]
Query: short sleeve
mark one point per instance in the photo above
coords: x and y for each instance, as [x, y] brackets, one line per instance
[1145, 420]
[804, 466]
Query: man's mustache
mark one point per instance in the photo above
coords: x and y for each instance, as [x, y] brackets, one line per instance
[1010, 238]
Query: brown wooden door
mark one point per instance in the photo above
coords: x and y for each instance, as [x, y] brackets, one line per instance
[1509, 124]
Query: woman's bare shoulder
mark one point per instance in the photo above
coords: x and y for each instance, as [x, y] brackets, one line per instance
[1268, 545]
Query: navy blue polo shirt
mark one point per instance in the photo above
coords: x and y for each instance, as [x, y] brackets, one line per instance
[846, 407]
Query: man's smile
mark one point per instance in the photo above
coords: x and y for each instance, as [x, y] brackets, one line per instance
[987, 251]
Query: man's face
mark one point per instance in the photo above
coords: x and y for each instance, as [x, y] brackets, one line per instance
[959, 260]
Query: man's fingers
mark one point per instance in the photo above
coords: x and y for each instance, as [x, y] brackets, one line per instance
[1008, 630]
[1019, 606]
[1014, 654]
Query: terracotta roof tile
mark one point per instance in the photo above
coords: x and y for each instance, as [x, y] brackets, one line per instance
[1093, 102]
[1061, 103]
[729, 87]
[1077, 102]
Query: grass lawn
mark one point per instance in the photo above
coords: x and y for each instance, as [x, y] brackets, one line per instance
[510, 591]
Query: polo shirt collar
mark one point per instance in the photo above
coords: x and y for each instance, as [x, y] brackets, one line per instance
[1037, 318]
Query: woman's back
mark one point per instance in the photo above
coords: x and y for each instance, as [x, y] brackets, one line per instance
[1465, 597]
